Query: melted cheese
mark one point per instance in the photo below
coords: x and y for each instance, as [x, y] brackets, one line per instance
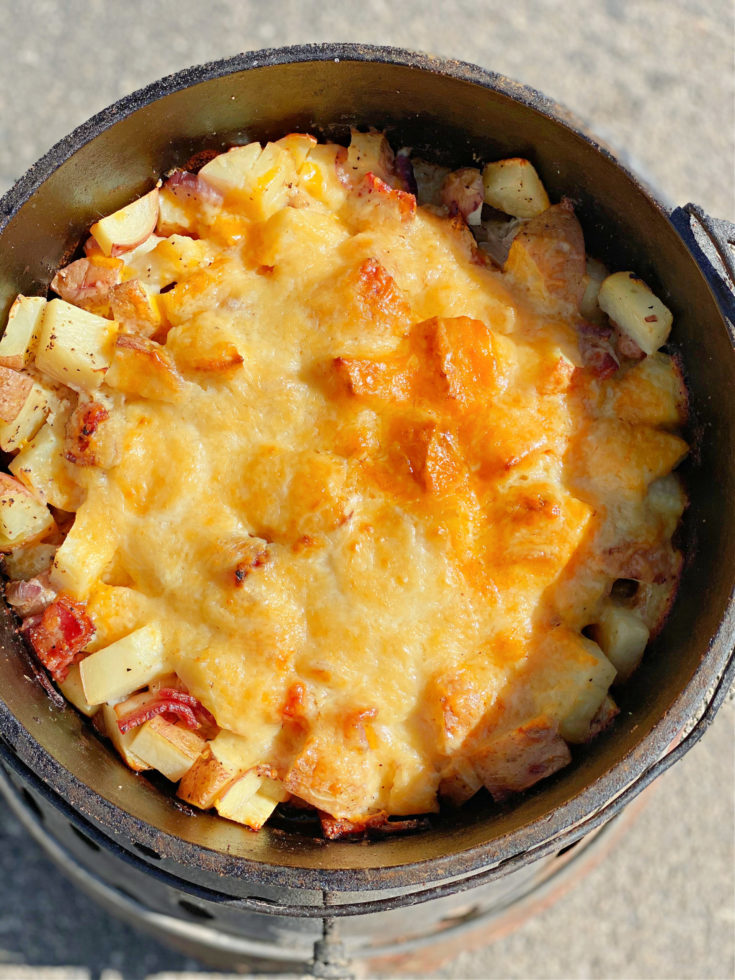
[385, 485]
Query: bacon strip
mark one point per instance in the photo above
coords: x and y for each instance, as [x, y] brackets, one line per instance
[61, 635]
[167, 701]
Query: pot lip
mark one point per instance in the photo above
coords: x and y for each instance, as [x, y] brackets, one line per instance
[29, 182]
[596, 795]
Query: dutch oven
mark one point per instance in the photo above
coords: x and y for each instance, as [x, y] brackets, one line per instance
[453, 113]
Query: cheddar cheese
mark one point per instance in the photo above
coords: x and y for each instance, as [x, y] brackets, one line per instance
[394, 513]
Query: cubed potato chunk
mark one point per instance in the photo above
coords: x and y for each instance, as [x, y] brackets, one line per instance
[38, 402]
[640, 314]
[29, 562]
[145, 369]
[73, 691]
[122, 741]
[207, 779]
[74, 346]
[667, 499]
[251, 799]
[229, 171]
[514, 760]
[570, 680]
[513, 186]
[135, 307]
[459, 781]
[169, 748]
[369, 153]
[129, 227]
[126, 665]
[18, 342]
[298, 145]
[622, 636]
[23, 517]
[42, 466]
[85, 553]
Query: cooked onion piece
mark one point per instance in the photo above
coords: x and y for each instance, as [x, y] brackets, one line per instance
[341, 478]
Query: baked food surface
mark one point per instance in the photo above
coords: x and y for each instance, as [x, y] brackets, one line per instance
[335, 499]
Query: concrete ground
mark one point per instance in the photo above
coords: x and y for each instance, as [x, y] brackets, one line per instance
[655, 79]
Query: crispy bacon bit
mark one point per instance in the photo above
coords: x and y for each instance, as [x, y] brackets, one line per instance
[463, 193]
[596, 350]
[376, 190]
[87, 282]
[31, 597]
[191, 187]
[378, 824]
[80, 430]
[171, 702]
[60, 636]
[404, 170]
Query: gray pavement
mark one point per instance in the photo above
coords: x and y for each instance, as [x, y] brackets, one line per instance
[656, 80]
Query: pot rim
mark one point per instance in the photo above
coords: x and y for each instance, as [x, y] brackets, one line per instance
[540, 832]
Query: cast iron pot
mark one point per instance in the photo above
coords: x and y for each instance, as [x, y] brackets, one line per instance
[450, 112]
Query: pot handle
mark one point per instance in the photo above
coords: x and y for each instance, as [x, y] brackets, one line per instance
[712, 243]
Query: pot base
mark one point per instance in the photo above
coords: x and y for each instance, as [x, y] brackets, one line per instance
[404, 940]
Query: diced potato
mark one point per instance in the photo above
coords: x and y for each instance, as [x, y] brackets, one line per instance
[298, 145]
[143, 368]
[38, 403]
[667, 499]
[126, 665]
[251, 800]
[73, 691]
[74, 346]
[18, 342]
[514, 760]
[23, 517]
[459, 782]
[623, 636]
[129, 227]
[29, 562]
[85, 553]
[318, 177]
[122, 742]
[135, 307]
[570, 680]
[369, 153]
[42, 466]
[640, 314]
[14, 391]
[169, 748]
[207, 779]
[229, 171]
[513, 186]
[596, 274]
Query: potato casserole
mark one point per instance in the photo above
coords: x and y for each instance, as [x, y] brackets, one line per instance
[340, 478]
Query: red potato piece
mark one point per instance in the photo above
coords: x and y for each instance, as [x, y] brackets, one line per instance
[87, 282]
[548, 256]
[463, 193]
[31, 597]
[61, 634]
[14, 390]
[517, 759]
